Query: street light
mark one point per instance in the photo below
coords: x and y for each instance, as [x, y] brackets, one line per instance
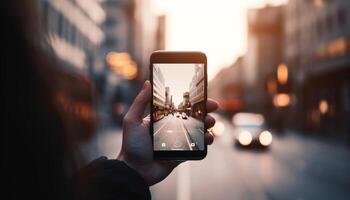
[122, 64]
[323, 106]
[282, 74]
[281, 100]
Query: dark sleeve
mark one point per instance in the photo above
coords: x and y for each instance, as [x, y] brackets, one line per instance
[110, 179]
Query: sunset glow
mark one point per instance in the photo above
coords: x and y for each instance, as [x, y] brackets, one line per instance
[218, 28]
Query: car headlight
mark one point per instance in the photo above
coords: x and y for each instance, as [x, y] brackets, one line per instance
[218, 129]
[245, 138]
[265, 138]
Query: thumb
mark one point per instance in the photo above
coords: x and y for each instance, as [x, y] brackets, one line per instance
[138, 107]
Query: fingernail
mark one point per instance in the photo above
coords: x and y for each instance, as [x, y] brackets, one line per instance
[145, 84]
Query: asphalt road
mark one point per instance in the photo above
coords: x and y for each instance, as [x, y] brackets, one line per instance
[295, 167]
[175, 133]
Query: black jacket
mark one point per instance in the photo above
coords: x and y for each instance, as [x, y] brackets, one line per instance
[110, 179]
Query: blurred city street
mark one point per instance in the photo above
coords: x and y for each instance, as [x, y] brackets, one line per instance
[295, 167]
[286, 62]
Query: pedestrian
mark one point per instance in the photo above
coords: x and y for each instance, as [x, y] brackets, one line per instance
[40, 138]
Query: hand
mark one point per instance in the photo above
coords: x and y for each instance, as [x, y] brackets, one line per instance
[137, 147]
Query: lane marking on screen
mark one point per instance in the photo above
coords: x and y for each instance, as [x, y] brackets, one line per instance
[185, 132]
[201, 130]
[161, 127]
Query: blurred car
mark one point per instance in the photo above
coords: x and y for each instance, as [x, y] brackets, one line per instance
[184, 116]
[250, 130]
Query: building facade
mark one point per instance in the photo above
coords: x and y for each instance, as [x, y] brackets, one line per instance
[317, 53]
[159, 98]
[75, 34]
[196, 92]
[130, 28]
[73, 37]
[264, 54]
[161, 32]
[186, 104]
[226, 88]
[167, 97]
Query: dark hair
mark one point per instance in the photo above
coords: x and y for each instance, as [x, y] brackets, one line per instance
[46, 111]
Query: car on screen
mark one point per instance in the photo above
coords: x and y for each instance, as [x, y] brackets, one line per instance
[184, 116]
[250, 130]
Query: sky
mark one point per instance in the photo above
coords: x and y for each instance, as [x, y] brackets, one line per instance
[178, 78]
[216, 27]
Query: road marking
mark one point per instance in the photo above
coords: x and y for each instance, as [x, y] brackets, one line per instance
[201, 131]
[183, 182]
[161, 127]
[185, 132]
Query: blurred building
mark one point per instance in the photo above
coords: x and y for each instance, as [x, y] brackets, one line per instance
[226, 87]
[131, 36]
[196, 93]
[121, 40]
[317, 53]
[264, 54]
[75, 34]
[161, 32]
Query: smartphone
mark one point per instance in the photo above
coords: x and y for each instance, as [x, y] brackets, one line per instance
[178, 108]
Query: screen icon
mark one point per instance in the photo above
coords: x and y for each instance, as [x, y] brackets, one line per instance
[193, 144]
[163, 144]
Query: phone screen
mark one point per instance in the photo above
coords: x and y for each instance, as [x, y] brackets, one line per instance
[178, 107]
